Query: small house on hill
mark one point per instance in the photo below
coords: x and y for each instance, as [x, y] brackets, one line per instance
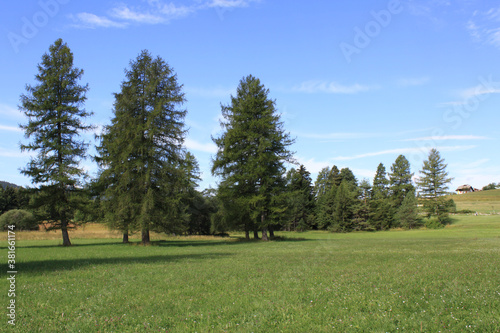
[465, 189]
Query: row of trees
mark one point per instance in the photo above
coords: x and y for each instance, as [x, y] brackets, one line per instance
[147, 180]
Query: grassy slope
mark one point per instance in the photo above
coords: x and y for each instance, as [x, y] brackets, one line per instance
[485, 202]
[423, 280]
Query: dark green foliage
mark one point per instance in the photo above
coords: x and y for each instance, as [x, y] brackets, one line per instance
[325, 190]
[22, 219]
[381, 214]
[251, 153]
[55, 120]
[380, 183]
[407, 214]
[141, 155]
[381, 207]
[346, 175]
[491, 186]
[200, 205]
[400, 180]
[13, 198]
[4, 185]
[345, 208]
[299, 200]
[465, 211]
[433, 223]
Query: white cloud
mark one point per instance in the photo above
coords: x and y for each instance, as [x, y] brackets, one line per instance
[14, 153]
[336, 136]
[229, 3]
[10, 128]
[154, 12]
[473, 95]
[10, 112]
[208, 147]
[448, 137]
[399, 151]
[484, 27]
[125, 13]
[312, 87]
[92, 21]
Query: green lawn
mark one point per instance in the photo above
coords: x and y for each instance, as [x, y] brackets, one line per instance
[424, 280]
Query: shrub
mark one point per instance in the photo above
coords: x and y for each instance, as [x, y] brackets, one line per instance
[22, 219]
[433, 223]
[465, 211]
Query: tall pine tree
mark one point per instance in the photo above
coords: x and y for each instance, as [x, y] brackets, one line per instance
[141, 151]
[400, 180]
[433, 185]
[252, 150]
[54, 108]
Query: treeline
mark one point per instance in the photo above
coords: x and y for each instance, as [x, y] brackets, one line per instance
[147, 180]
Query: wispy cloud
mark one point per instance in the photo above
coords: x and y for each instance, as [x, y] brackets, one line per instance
[10, 112]
[229, 3]
[448, 137]
[151, 12]
[474, 94]
[355, 135]
[399, 151]
[484, 27]
[10, 128]
[14, 153]
[313, 87]
[92, 21]
[336, 136]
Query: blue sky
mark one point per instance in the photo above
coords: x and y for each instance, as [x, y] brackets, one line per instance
[357, 82]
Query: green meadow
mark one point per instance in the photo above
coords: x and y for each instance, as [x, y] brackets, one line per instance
[444, 280]
[483, 202]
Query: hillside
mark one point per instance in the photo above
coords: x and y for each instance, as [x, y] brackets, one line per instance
[485, 202]
[5, 184]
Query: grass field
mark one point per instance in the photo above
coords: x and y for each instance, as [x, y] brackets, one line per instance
[414, 281]
[483, 202]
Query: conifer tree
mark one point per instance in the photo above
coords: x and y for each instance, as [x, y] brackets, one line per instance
[300, 201]
[54, 108]
[380, 205]
[407, 213]
[380, 183]
[345, 207]
[400, 180]
[252, 150]
[433, 185]
[141, 151]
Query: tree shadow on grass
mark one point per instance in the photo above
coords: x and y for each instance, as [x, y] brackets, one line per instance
[230, 241]
[54, 265]
[21, 246]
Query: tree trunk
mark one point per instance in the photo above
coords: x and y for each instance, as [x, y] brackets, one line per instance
[271, 232]
[64, 230]
[247, 234]
[255, 233]
[264, 234]
[145, 237]
[264, 229]
[66, 241]
[125, 237]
